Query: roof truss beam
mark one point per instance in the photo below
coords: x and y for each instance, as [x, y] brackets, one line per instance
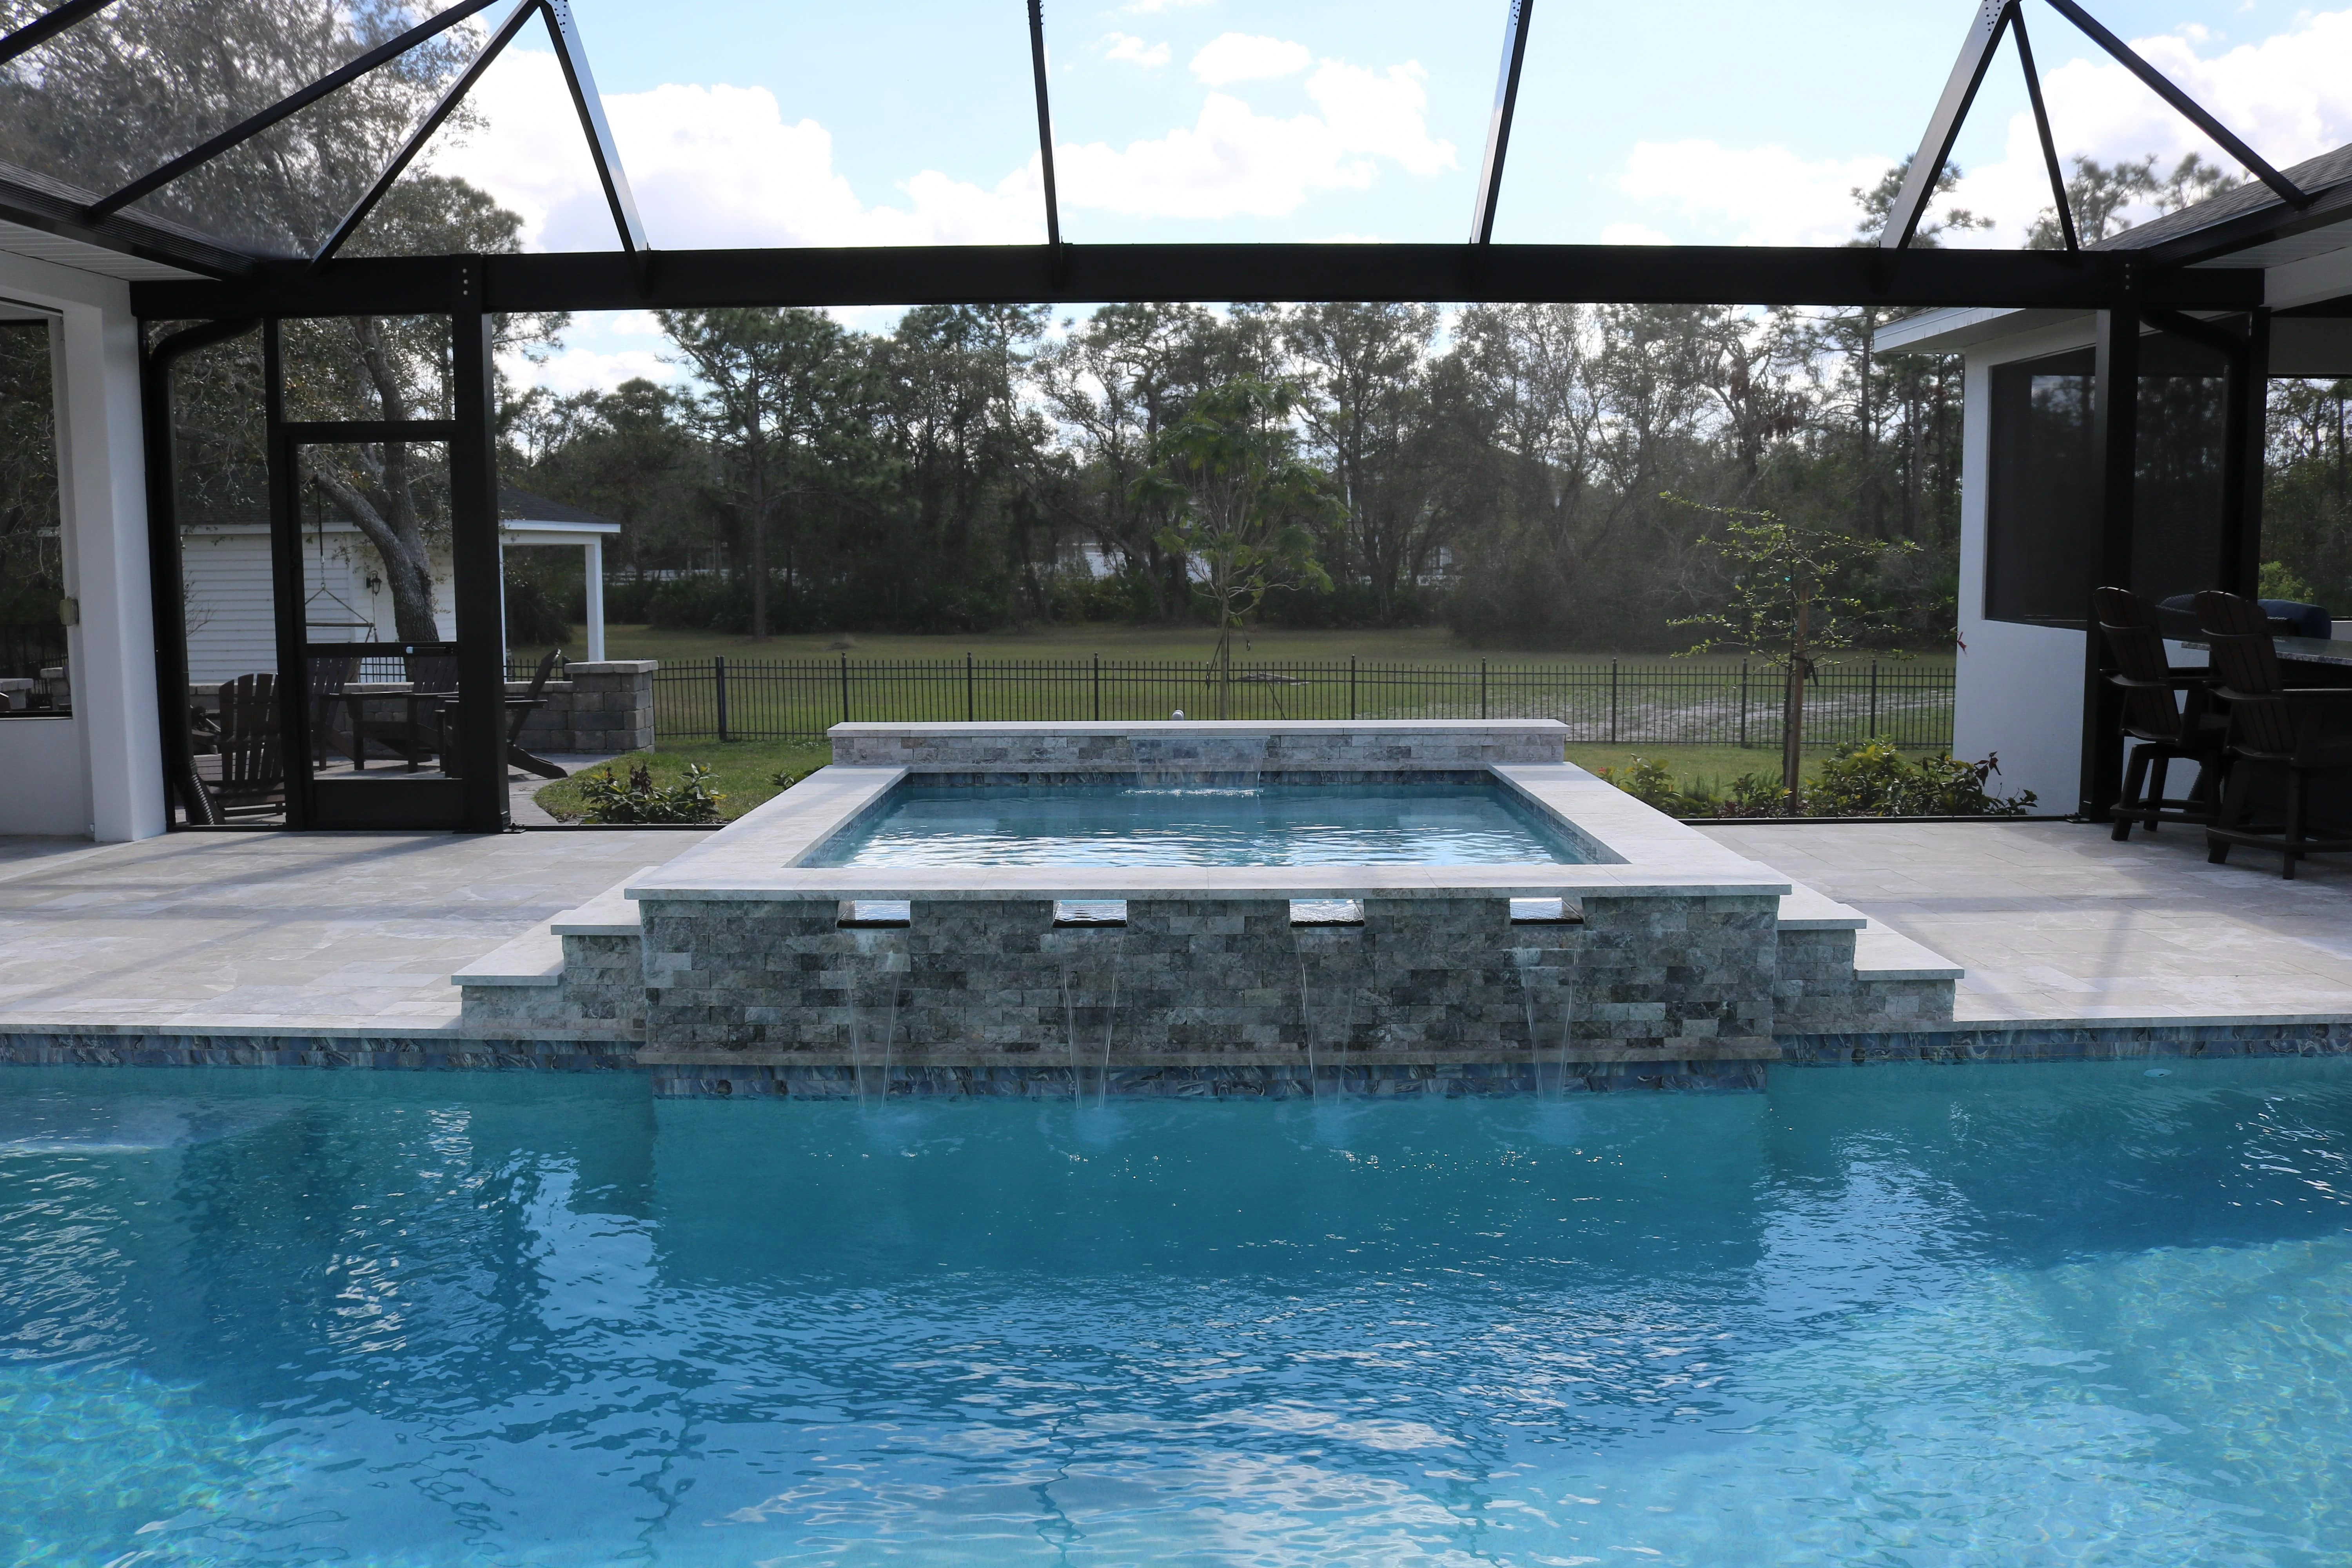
[455, 95]
[1498, 124]
[565, 32]
[1910, 206]
[48, 26]
[2186, 107]
[1073, 274]
[1995, 18]
[286, 108]
[1044, 120]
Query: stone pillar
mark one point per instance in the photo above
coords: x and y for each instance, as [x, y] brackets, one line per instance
[611, 705]
[595, 550]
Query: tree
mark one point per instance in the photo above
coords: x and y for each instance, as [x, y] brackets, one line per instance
[1786, 605]
[30, 576]
[1364, 365]
[397, 368]
[114, 95]
[770, 378]
[117, 93]
[626, 453]
[1115, 385]
[2098, 193]
[1877, 203]
[1245, 506]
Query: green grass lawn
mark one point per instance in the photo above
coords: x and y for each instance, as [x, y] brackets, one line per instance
[746, 771]
[1713, 766]
[1412, 645]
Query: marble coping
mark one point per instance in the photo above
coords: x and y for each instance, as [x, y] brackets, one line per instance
[1637, 851]
[1238, 745]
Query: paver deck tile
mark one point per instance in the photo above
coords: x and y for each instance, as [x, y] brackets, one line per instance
[2057, 920]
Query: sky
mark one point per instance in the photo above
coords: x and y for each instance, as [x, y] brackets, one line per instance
[743, 122]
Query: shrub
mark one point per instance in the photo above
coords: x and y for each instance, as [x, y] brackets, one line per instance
[1866, 778]
[1871, 778]
[1649, 782]
[607, 800]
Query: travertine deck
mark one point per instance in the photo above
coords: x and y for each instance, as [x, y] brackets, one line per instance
[360, 932]
[2055, 922]
[318, 932]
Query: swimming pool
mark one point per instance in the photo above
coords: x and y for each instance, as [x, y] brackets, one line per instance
[2032, 1314]
[1407, 824]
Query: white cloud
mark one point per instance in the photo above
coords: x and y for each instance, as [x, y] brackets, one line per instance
[571, 370]
[1147, 7]
[1633, 234]
[1751, 195]
[1134, 50]
[1234, 161]
[709, 166]
[2289, 96]
[1247, 57]
[720, 165]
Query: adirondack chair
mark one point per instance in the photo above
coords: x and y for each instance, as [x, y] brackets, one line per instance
[245, 776]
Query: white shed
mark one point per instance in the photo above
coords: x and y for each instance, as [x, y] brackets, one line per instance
[225, 569]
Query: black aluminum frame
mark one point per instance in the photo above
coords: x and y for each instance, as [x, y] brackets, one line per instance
[232, 288]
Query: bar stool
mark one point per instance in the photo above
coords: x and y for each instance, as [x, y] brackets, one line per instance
[2274, 728]
[2168, 714]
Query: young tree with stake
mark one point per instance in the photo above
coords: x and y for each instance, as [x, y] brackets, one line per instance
[1785, 606]
[1245, 504]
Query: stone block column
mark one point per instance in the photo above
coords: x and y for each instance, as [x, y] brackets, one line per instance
[602, 707]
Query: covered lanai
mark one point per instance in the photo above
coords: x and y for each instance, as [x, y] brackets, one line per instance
[187, 282]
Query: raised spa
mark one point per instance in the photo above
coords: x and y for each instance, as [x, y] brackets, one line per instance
[1390, 907]
[1464, 822]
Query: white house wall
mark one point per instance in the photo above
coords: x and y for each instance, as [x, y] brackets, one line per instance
[118, 791]
[2018, 693]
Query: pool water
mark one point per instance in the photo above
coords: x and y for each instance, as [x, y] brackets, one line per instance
[2042, 1314]
[1268, 825]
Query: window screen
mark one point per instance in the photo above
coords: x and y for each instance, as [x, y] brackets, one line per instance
[2042, 512]
[2043, 509]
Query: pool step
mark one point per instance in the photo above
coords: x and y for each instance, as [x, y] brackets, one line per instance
[1843, 972]
[579, 974]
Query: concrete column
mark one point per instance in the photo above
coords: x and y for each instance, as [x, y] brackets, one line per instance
[595, 552]
[102, 502]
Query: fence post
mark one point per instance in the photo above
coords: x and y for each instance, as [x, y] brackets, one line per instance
[1613, 701]
[1097, 689]
[1743, 704]
[1874, 699]
[719, 660]
[845, 688]
[970, 703]
[1351, 689]
[1482, 689]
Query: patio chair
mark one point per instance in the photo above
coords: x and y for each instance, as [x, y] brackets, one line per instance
[2274, 728]
[247, 775]
[328, 676]
[2168, 714]
[518, 712]
[415, 731]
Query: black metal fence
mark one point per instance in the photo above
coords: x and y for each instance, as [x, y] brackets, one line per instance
[27, 650]
[1661, 703]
